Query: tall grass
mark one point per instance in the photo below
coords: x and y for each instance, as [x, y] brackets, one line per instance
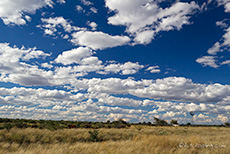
[162, 140]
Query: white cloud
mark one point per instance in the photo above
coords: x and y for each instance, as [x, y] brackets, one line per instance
[92, 60]
[222, 118]
[51, 24]
[13, 12]
[46, 65]
[99, 97]
[86, 2]
[93, 9]
[154, 69]
[226, 4]
[172, 88]
[125, 69]
[221, 46]
[226, 62]
[221, 24]
[54, 104]
[98, 40]
[144, 37]
[13, 55]
[15, 69]
[153, 18]
[208, 61]
[214, 49]
[93, 25]
[79, 8]
[61, 1]
[73, 56]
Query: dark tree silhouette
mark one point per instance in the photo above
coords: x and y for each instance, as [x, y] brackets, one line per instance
[192, 114]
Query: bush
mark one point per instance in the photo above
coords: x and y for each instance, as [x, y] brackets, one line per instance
[21, 125]
[94, 136]
[160, 122]
[227, 124]
[8, 126]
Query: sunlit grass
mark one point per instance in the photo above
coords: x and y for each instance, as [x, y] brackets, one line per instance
[136, 139]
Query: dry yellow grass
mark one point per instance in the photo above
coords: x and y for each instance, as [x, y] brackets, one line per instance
[135, 140]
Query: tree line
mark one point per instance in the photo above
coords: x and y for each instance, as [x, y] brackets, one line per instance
[6, 123]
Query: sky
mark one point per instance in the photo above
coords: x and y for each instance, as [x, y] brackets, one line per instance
[99, 60]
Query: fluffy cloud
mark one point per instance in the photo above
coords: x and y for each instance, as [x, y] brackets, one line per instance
[58, 104]
[153, 18]
[98, 40]
[13, 66]
[172, 88]
[93, 25]
[73, 56]
[51, 24]
[14, 12]
[15, 70]
[125, 69]
[221, 46]
[226, 4]
[11, 57]
[208, 61]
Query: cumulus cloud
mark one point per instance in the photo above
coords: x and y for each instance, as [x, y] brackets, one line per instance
[50, 25]
[221, 46]
[93, 25]
[13, 55]
[226, 4]
[13, 66]
[74, 56]
[46, 65]
[14, 12]
[153, 18]
[98, 40]
[125, 69]
[171, 88]
[99, 103]
[207, 61]
[14, 69]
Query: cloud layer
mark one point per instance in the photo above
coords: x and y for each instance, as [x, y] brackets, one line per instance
[80, 84]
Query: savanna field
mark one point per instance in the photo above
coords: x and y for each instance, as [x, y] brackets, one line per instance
[136, 139]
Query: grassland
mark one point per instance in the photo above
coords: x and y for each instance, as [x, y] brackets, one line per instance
[136, 139]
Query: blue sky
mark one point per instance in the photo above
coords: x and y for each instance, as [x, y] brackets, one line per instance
[109, 59]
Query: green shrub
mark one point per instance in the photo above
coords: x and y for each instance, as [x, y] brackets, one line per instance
[8, 126]
[93, 136]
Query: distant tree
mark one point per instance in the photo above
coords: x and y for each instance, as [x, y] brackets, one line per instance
[174, 122]
[188, 124]
[160, 122]
[227, 124]
[149, 123]
[192, 114]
